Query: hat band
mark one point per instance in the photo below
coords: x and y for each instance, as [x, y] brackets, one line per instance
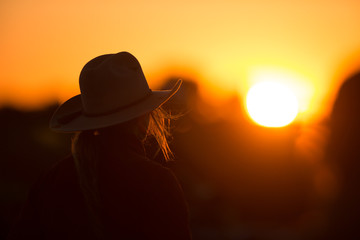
[148, 94]
[71, 116]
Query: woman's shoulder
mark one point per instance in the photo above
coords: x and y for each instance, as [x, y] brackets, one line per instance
[132, 161]
[160, 176]
[157, 170]
[137, 170]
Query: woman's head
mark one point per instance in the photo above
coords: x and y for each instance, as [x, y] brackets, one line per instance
[114, 90]
[135, 129]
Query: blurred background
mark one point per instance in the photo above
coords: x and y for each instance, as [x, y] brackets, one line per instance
[242, 180]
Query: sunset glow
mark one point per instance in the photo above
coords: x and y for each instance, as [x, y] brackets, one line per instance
[44, 45]
[271, 104]
[262, 133]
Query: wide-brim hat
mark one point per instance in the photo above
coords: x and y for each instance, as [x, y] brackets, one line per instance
[113, 90]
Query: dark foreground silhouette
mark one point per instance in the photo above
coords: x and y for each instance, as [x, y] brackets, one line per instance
[343, 155]
[108, 188]
[242, 181]
[135, 202]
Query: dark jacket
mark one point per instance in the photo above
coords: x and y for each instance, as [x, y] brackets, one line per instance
[140, 199]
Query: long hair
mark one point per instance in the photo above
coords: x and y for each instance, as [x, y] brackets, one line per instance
[159, 128]
[87, 151]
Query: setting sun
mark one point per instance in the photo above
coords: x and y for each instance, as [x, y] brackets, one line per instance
[271, 104]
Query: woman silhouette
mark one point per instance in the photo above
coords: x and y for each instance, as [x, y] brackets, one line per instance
[108, 189]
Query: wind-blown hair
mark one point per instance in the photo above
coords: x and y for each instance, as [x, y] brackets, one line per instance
[87, 150]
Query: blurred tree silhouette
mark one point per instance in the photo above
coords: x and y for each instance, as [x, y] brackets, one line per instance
[343, 155]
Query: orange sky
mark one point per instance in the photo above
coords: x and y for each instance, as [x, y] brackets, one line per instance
[229, 44]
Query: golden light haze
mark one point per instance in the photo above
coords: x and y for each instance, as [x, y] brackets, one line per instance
[44, 44]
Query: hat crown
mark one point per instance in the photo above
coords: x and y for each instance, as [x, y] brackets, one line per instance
[110, 82]
[113, 90]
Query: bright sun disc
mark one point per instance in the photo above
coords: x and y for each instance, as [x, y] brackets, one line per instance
[271, 104]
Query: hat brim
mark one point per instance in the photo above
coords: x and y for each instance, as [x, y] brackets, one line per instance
[77, 121]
